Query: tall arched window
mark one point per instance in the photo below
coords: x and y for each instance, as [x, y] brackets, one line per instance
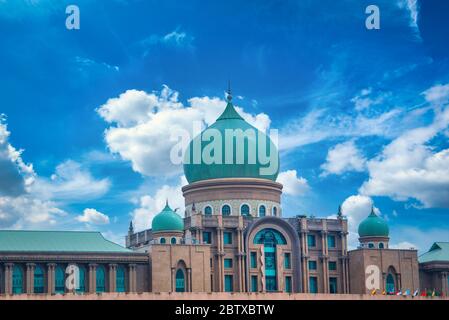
[180, 281]
[120, 279]
[173, 240]
[17, 280]
[226, 210]
[270, 238]
[381, 245]
[244, 210]
[101, 279]
[208, 210]
[82, 281]
[262, 211]
[38, 280]
[59, 280]
[389, 286]
[275, 211]
[162, 241]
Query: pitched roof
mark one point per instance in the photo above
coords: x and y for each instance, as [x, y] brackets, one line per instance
[57, 241]
[438, 252]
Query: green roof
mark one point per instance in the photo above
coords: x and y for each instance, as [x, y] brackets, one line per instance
[167, 220]
[373, 226]
[438, 252]
[57, 241]
[230, 119]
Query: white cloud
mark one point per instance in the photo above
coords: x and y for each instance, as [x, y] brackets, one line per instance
[70, 182]
[408, 168]
[365, 99]
[150, 205]
[403, 245]
[342, 158]
[92, 216]
[293, 185]
[412, 8]
[438, 94]
[142, 126]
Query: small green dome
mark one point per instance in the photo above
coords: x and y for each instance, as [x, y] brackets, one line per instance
[373, 226]
[230, 119]
[167, 220]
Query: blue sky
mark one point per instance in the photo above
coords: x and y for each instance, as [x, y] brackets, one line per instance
[362, 114]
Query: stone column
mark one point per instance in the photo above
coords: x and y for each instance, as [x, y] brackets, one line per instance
[30, 278]
[189, 280]
[132, 278]
[112, 277]
[325, 261]
[8, 277]
[92, 277]
[51, 278]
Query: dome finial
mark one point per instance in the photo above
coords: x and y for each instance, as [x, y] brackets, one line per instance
[339, 214]
[372, 210]
[229, 95]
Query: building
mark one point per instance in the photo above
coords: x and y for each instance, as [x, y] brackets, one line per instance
[233, 238]
[434, 268]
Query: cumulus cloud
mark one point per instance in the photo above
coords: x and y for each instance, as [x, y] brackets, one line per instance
[70, 182]
[409, 168]
[144, 126]
[342, 158]
[150, 205]
[438, 94]
[293, 185]
[92, 216]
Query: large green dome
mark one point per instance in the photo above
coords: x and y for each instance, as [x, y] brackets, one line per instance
[373, 226]
[167, 220]
[230, 119]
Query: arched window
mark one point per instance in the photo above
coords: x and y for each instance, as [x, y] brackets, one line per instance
[120, 279]
[82, 281]
[370, 245]
[17, 280]
[180, 281]
[244, 210]
[101, 279]
[262, 211]
[381, 245]
[162, 240]
[208, 210]
[389, 285]
[226, 210]
[275, 211]
[38, 280]
[59, 280]
[173, 240]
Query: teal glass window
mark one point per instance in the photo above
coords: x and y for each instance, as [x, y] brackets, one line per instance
[227, 237]
[244, 210]
[173, 240]
[120, 279]
[17, 280]
[229, 283]
[180, 281]
[390, 287]
[253, 258]
[59, 280]
[38, 280]
[208, 210]
[207, 237]
[332, 285]
[100, 279]
[275, 211]
[331, 241]
[288, 284]
[226, 210]
[254, 282]
[313, 285]
[82, 281]
[287, 262]
[312, 265]
[311, 240]
[381, 245]
[228, 263]
[163, 240]
[371, 245]
[262, 211]
[332, 265]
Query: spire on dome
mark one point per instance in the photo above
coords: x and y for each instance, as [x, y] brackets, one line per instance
[339, 214]
[131, 227]
[229, 95]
